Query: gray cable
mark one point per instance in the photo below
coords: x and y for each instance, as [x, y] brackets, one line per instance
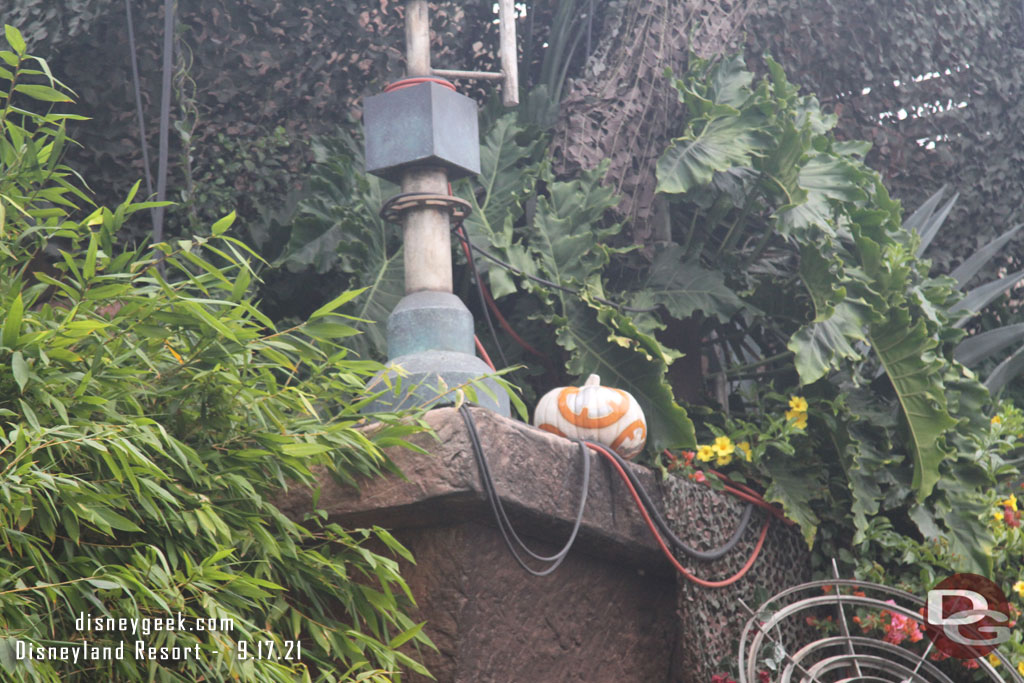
[508, 533]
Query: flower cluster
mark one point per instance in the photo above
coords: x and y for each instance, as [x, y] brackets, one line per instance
[721, 451]
[900, 627]
[797, 412]
[1007, 512]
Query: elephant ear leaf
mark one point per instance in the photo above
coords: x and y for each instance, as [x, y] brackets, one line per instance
[566, 245]
[508, 170]
[684, 287]
[907, 353]
[721, 134]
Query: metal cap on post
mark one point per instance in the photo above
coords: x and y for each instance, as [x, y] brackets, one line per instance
[421, 133]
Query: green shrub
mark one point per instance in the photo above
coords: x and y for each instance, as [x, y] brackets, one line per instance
[149, 417]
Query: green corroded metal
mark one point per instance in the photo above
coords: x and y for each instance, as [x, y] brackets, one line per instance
[430, 355]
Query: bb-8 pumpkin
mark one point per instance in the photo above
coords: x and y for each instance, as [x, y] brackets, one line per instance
[604, 415]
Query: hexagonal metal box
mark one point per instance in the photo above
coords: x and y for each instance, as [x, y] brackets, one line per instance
[421, 125]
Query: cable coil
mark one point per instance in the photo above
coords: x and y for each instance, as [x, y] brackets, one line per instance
[508, 533]
[641, 498]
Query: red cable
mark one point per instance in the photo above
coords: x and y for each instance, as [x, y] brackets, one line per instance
[409, 82]
[494, 307]
[483, 353]
[661, 542]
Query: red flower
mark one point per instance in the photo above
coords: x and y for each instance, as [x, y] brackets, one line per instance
[764, 677]
[688, 457]
[699, 477]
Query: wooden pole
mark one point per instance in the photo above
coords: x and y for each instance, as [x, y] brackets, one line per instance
[426, 231]
[509, 53]
[417, 38]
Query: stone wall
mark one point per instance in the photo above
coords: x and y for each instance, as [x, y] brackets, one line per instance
[615, 611]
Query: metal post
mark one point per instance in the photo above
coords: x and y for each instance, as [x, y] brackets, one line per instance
[417, 134]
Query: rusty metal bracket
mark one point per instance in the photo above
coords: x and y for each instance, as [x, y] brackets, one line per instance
[394, 208]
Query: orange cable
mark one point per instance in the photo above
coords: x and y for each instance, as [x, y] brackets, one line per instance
[661, 542]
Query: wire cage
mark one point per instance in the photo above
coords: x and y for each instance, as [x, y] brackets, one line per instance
[778, 638]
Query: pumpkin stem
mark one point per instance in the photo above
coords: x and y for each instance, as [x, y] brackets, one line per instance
[592, 381]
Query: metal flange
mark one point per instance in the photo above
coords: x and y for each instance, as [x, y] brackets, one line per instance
[394, 208]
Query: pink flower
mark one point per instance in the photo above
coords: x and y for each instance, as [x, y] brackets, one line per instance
[900, 627]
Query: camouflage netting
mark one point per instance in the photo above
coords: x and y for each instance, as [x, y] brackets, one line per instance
[256, 79]
[935, 87]
[622, 108]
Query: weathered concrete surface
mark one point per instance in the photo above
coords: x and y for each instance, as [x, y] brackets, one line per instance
[591, 621]
[538, 476]
[614, 611]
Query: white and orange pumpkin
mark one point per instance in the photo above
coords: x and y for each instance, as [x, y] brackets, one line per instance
[604, 415]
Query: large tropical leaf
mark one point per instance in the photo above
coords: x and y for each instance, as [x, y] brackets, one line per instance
[795, 490]
[1005, 371]
[720, 134]
[684, 287]
[566, 245]
[838, 321]
[981, 296]
[907, 353]
[729, 139]
[819, 345]
[822, 178]
[508, 172]
[929, 218]
[984, 344]
[604, 342]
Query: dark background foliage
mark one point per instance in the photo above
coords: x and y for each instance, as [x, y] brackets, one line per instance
[974, 48]
[255, 80]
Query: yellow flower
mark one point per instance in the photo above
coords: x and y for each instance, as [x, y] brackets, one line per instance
[799, 418]
[745, 447]
[993, 660]
[723, 459]
[705, 453]
[723, 446]
[1010, 502]
[798, 404]
[997, 515]
[1019, 587]
[1020, 668]
[996, 420]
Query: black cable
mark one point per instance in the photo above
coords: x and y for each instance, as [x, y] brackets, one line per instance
[165, 120]
[483, 299]
[138, 101]
[508, 533]
[706, 555]
[548, 283]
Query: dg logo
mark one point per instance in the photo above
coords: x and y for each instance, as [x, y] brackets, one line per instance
[967, 616]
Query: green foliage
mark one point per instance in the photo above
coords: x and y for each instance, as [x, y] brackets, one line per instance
[928, 85]
[895, 468]
[150, 417]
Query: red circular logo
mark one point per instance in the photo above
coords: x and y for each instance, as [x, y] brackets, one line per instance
[967, 616]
